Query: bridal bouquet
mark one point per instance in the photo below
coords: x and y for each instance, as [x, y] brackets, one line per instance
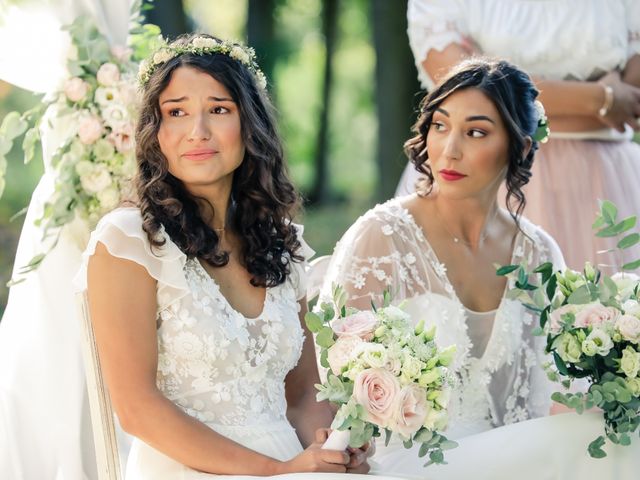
[94, 110]
[385, 375]
[592, 325]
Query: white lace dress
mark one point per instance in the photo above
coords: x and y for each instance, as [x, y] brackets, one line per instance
[218, 366]
[503, 383]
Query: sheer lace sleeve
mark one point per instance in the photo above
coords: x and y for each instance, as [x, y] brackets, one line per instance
[298, 275]
[121, 233]
[433, 25]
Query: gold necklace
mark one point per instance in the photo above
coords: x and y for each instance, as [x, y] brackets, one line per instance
[459, 240]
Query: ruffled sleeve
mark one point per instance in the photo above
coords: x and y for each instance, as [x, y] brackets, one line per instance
[298, 275]
[633, 26]
[121, 233]
[433, 25]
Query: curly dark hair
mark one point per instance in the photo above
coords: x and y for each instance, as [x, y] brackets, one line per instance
[263, 199]
[513, 93]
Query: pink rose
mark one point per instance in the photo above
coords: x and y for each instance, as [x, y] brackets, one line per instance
[76, 89]
[89, 129]
[361, 324]
[629, 327]
[121, 53]
[555, 318]
[339, 353]
[108, 74]
[410, 411]
[595, 315]
[376, 390]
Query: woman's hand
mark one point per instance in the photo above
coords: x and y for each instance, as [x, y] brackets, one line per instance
[357, 456]
[315, 459]
[626, 103]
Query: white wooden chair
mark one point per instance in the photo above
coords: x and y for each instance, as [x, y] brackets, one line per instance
[102, 418]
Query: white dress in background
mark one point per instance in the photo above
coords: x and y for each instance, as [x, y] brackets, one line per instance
[45, 426]
[555, 40]
[503, 382]
[217, 365]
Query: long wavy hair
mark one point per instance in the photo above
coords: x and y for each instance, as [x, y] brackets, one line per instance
[513, 93]
[263, 199]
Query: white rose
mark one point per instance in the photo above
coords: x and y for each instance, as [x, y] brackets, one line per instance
[84, 167]
[103, 149]
[626, 283]
[204, 42]
[395, 314]
[340, 352]
[96, 180]
[76, 89]
[630, 362]
[631, 307]
[629, 328]
[109, 198]
[108, 74]
[89, 129]
[411, 368]
[128, 94]
[568, 347]
[240, 55]
[436, 419]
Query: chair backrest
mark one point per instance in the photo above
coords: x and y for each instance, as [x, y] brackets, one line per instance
[102, 419]
[315, 275]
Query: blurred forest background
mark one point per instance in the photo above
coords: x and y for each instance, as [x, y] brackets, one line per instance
[343, 81]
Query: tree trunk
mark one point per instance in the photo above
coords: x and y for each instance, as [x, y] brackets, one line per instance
[320, 192]
[261, 34]
[396, 88]
[169, 16]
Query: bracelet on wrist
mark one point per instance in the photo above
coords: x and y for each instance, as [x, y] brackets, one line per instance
[608, 100]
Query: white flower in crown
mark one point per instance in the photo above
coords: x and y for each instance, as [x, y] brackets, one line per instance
[240, 55]
[542, 115]
[163, 55]
[204, 42]
[261, 79]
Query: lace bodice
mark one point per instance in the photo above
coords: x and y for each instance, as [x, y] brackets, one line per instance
[214, 363]
[506, 384]
[555, 39]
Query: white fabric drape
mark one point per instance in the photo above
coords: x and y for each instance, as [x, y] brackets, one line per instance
[45, 430]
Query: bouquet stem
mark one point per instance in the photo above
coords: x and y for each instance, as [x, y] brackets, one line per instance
[338, 440]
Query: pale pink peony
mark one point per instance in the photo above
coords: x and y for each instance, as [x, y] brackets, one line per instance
[122, 138]
[89, 129]
[629, 328]
[361, 324]
[596, 315]
[376, 390]
[121, 53]
[108, 74]
[76, 89]
[409, 411]
[339, 353]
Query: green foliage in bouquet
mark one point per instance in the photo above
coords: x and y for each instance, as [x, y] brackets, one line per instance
[383, 346]
[592, 325]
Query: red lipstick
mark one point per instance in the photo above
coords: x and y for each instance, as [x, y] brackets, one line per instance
[451, 175]
[199, 154]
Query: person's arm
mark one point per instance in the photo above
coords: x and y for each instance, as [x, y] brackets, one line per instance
[122, 300]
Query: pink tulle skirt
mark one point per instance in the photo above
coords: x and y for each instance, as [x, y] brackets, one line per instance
[569, 176]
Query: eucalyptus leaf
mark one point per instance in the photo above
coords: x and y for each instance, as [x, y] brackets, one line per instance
[631, 265]
[609, 211]
[31, 140]
[595, 448]
[580, 296]
[325, 337]
[314, 322]
[629, 241]
[507, 269]
[551, 287]
[13, 126]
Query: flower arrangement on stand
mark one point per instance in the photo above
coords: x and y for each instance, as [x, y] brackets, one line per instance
[384, 374]
[592, 325]
[97, 104]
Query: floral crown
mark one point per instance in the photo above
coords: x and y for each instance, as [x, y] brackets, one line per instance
[202, 46]
[542, 131]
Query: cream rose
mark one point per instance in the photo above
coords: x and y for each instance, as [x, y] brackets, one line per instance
[626, 283]
[409, 412]
[361, 324]
[109, 198]
[568, 347]
[372, 355]
[89, 129]
[630, 362]
[629, 327]
[376, 390]
[76, 89]
[340, 352]
[108, 74]
[96, 179]
[595, 315]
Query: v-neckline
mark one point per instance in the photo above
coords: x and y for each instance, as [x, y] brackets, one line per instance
[441, 272]
[216, 287]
